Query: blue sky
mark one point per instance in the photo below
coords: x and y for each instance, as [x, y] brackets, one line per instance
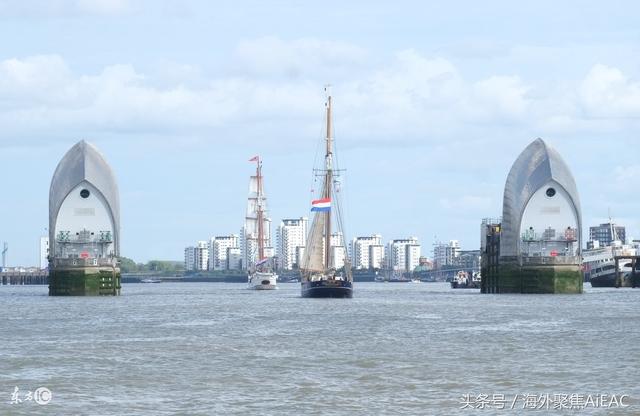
[433, 103]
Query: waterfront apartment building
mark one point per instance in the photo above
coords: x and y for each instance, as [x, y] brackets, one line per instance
[190, 258]
[196, 258]
[292, 237]
[360, 250]
[403, 254]
[202, 255]
[468, 260]
[376, 256]
[604, 234]
[219, 251]
[412, 256]
[234, 258]
[445, 254]
[44, 252]
[338, 251]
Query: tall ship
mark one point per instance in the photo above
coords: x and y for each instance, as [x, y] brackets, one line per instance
[261, 274]
[325, 271]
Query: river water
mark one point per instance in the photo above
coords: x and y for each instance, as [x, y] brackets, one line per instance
[395, 348]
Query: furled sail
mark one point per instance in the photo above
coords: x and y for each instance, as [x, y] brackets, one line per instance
[251, 219]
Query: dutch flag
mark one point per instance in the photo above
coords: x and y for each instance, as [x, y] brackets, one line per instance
[321, 205]
[263, 261]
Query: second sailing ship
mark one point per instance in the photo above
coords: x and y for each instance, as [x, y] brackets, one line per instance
[261, 275]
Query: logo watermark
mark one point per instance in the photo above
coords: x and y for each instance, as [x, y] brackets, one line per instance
[41, 396]
[544, 401]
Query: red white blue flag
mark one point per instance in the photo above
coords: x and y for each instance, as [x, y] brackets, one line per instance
[321, 205]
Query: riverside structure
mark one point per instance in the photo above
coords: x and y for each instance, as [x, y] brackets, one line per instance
[536, 247]
[84, 225]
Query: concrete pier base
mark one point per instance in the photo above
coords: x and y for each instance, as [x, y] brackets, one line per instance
[85, 281]
[516, 278]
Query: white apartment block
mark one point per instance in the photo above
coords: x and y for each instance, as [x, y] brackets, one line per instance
[218, 251]
[202, 255]
[337, 239]
[44, 252]
[445, 254]
[376, 256]
[360, 250]
[338, 257]
[190, 258]
[412, 256]
[299, 255]
[399, 255]
[234, 258]
[338, 253]
[292, 238]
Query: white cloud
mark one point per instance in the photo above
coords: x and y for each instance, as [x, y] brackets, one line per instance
[66, 8]
[106, 7]
[607, 92]
[466, 203]
[501, 96]
[626, 175]
[411, 97]
[304, 57]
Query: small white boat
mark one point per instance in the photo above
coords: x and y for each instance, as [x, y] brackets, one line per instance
[263, 281]
[150, 281]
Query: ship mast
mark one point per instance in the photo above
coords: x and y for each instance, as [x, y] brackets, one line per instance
[327, 186]
[259, 211]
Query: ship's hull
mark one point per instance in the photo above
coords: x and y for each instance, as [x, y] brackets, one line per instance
[469, 285]
[327, 289]
[263, 281]
[611, 280]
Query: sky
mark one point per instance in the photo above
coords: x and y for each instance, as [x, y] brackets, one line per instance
[433, 102]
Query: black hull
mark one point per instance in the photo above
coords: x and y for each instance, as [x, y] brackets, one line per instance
[472, 285]
[327, 289]
[610, 280]
[604, 281]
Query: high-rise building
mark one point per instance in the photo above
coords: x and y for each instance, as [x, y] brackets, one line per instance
[190, 258]
[219, 249]
[44, 252]
[201, 255]
[445, 254]
[412, 256]
[376, 256]
[606, 233]
[400, 253]
[361, 253]
[338, 251]
[338, 256]
[292, 236]
[468, 259]
[234, 258]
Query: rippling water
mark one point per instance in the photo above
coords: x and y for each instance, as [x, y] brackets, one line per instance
[208, 348]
